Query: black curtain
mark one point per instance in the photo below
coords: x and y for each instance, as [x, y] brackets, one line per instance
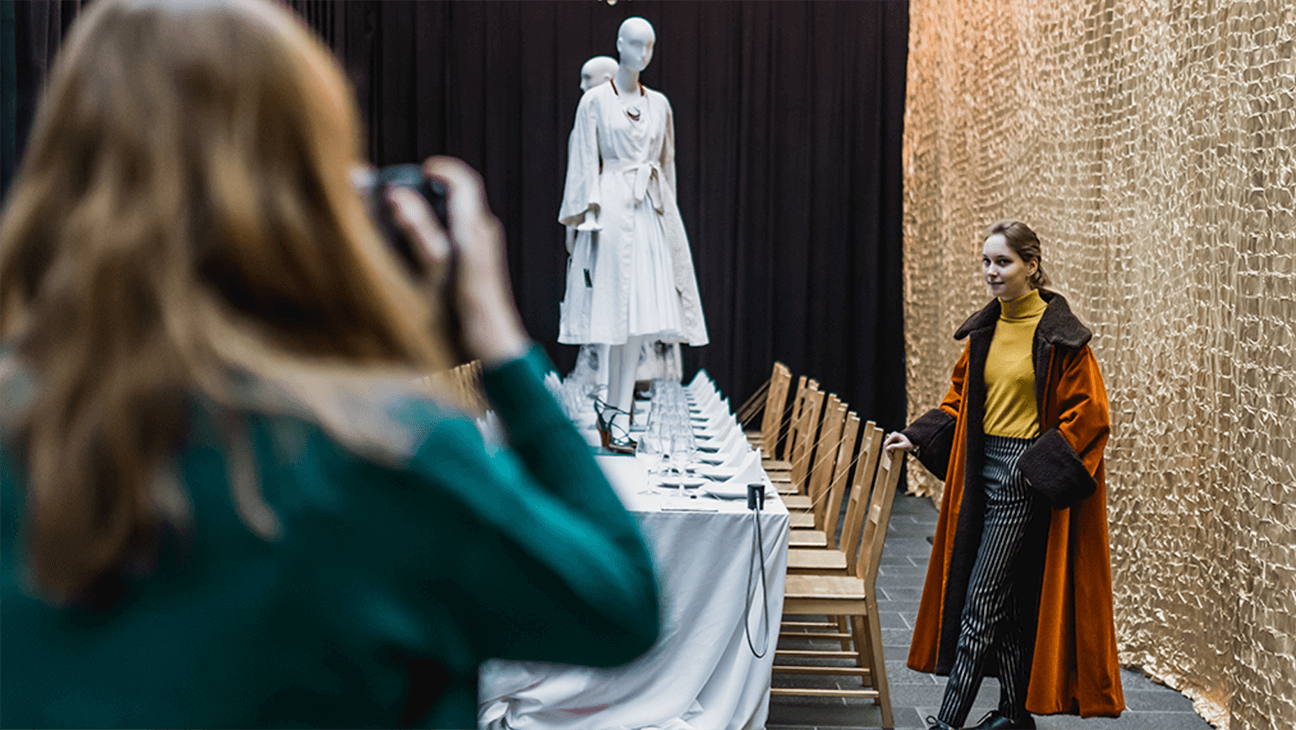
[788, 126]
[30, 36]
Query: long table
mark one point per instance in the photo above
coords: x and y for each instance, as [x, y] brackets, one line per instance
[703, 672]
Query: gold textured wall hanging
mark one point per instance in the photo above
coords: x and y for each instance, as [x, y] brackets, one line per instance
[1152, 145]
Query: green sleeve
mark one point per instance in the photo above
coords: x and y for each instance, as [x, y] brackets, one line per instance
[524, 553]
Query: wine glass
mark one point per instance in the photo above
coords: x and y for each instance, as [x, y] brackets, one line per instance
[648, 449]
[683, 450]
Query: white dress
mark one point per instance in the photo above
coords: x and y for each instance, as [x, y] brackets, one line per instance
[633, 278]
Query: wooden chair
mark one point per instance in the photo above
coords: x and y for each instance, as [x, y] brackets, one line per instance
[843, 462]
[842, 550]
[823, 461]
[802, 441]
[775, 410]
[854, 597]
[826, 496]
[841, 558]
[782, 459]
[803, 534]
[463, 385]
[801, 438]
[826, 539]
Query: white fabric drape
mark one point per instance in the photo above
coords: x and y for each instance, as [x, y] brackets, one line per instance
[701, 674]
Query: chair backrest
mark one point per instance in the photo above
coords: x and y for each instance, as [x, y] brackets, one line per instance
[878, 518]
[775, 407]
[824, 461]
[857, 504]
[794, 421]
[846, 458]
[807, 429]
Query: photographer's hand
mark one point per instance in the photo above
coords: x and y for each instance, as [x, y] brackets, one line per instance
[492, 327]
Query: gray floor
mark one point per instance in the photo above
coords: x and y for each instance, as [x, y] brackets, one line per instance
[914, 696]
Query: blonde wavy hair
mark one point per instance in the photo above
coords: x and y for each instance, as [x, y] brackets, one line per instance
[184, 210]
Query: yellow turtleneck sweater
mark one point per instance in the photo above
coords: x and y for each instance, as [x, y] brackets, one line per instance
[1010, 375]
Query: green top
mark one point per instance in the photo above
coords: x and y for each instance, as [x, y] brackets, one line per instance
[386, 588]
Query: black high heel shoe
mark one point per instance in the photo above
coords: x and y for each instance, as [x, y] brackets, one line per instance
[614, 438]
[998, 721]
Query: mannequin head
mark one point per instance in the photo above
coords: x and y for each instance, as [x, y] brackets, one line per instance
[635, 41]
[597, 71]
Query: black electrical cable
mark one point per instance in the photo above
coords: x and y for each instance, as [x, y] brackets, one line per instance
[758, 549]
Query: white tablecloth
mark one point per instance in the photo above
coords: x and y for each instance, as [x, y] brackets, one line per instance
[701, 673]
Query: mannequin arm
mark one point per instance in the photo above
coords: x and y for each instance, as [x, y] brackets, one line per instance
[667, 160]
[591, 221]
[580, 202]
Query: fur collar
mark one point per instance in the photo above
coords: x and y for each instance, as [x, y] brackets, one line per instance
[1058, 326]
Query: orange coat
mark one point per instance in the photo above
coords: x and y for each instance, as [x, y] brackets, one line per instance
[1074, 669]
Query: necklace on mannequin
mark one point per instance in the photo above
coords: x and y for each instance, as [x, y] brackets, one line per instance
[631, 110]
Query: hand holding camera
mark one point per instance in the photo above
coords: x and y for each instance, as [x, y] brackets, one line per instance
[466, 260]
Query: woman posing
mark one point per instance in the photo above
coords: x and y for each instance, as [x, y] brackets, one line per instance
[1019, 583]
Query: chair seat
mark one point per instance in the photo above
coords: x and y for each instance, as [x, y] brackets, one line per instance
[803, 559]
[776, 465]
[807, 539]
[823, 587]
[797, 501]
[801, 520]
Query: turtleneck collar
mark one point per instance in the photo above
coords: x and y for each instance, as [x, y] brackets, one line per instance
[1026, 307]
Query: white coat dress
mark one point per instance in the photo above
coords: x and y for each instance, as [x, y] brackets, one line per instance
[633, 278]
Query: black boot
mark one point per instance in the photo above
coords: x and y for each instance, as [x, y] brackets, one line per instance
[997, 721]
[934, 724]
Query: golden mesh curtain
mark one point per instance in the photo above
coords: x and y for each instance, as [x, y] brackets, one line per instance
[1153, 147]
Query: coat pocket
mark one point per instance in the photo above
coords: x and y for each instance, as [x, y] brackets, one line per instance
[1053, 468]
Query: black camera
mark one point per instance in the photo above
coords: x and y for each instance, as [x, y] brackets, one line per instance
[374, 184]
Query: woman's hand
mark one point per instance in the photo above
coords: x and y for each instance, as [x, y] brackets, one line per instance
[895, 441]
[492, 328]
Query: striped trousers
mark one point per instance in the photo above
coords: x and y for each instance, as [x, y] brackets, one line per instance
[991, 621]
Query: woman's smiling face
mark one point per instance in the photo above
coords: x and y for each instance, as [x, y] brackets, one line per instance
[1007, 276]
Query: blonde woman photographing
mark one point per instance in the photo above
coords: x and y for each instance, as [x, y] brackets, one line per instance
[225, 502]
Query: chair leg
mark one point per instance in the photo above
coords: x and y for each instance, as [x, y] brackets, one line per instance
[843, 626]
[863, 656]
[879, 667]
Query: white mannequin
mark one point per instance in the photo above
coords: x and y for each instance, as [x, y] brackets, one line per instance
[652, 363]
[639, 283]
[635, 42]
[597, 70]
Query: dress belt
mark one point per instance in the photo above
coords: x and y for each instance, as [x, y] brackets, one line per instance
[648, 177]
